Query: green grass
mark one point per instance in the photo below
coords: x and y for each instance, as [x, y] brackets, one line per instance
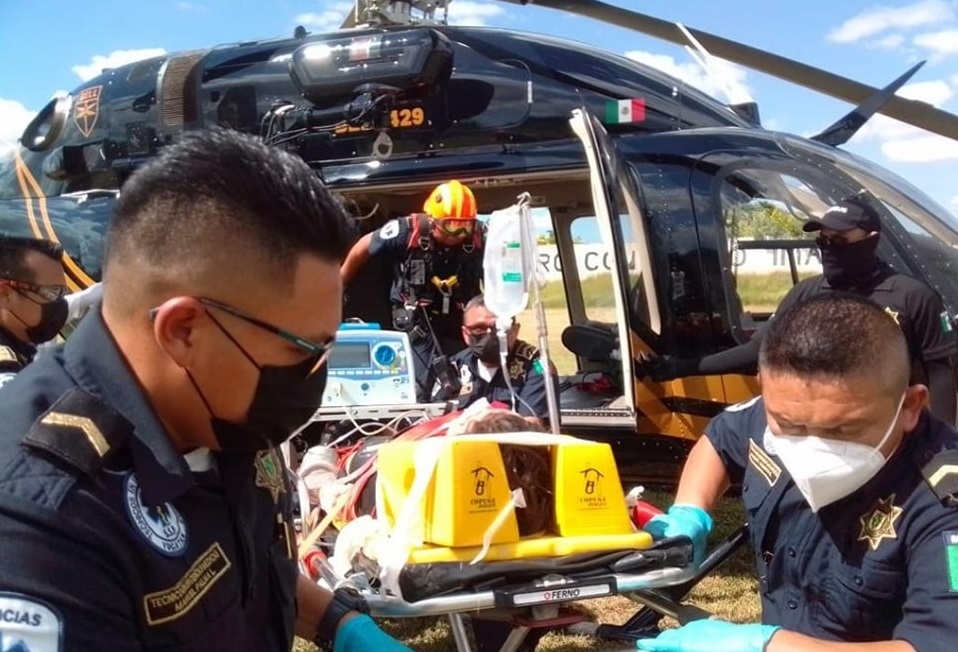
[759, 293]
[756, 291]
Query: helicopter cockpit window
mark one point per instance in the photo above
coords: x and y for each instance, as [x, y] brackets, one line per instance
[763, 211]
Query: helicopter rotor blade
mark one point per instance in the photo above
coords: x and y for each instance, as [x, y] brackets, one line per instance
[913, 112]
[848, 125]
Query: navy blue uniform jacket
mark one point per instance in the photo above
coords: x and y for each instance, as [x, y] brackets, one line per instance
[878, 565]
[110, 541]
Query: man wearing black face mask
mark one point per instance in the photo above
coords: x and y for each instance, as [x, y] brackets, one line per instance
[480, 367]
[143, 503]
[848, 241]
[32, 307]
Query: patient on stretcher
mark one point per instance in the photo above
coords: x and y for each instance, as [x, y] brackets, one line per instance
[468, 498]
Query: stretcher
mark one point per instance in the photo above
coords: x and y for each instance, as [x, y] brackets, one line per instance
[449, 536]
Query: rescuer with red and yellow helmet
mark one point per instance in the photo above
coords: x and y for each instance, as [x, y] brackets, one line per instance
[437, 268]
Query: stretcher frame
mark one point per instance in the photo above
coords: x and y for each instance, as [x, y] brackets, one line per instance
[658, 593]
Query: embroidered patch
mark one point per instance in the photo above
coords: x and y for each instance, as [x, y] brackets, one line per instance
[946, 326]
[951, 555]
[163, 606]
[7, 354]
[390, 230]
[28, 625]
[162, 526]
[879, 523]
[763, 464]
[269, 473]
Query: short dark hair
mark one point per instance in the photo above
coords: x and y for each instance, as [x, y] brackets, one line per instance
[216, 191]
[837, 335]
[13, 253]
[478, 301]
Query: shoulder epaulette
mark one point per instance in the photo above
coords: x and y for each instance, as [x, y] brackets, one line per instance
[525, 351]
[941, 474]
[9, 358]
[80, 430]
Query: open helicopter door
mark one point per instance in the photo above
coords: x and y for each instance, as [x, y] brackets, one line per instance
[617, 202]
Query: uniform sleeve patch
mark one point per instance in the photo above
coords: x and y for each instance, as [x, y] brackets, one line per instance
[945, 320]
[28, 625]
[389, 230]
[951, 555]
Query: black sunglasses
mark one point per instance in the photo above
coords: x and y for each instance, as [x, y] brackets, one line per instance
[320, 351]
[48, 292]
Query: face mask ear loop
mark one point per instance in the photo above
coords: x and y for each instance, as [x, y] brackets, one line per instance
[891, 426]
[199, 391]
[233, 340]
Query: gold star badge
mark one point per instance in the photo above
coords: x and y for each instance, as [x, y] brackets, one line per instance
[880, 522]
[269, 473]
[893, 314]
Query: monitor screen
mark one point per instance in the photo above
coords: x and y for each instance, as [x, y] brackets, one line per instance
[350, 355]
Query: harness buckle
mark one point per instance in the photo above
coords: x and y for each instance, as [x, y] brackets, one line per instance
[445, 286]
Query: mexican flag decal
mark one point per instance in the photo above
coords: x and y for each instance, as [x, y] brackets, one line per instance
[625, 111]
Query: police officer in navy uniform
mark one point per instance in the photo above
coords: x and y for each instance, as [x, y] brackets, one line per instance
[848, 240]
[850, 490]
[480, 368]
[437, 268]
[143, 503]
[32, 304]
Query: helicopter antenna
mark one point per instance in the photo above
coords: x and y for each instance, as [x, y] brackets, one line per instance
[735, 92]
[386, 13]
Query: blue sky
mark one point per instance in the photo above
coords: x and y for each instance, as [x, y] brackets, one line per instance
[51, 45]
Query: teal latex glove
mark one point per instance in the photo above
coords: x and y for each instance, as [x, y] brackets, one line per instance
[361, 634]
[710, 636]
[683, 520]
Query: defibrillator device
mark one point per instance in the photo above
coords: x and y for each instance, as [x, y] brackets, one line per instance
[370, 366]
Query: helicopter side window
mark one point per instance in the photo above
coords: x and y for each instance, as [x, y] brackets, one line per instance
[595, 264]
[766, 252]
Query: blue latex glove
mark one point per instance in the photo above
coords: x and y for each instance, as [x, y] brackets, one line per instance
[362, 634]
[683, 520]
[710, 636]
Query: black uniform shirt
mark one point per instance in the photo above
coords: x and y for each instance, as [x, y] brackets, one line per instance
[14, 356]
[916, 307]
[881, 564]
[418, 259]
[110, 542]
[525, 373]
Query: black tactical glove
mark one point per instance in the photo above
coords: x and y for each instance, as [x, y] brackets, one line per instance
[668, 367]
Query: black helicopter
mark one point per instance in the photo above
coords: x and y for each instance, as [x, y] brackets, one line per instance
[384, 109]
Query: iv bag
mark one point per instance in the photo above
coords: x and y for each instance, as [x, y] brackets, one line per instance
[508, 261]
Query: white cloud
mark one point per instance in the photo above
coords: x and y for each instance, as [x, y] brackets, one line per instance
[935, 92]
[879, 19]
[903, 143]
[471, 12]
[891, 42]
[954, 200]
[115, 59]
[14, 117]
[921, 148]
[326, 20]
[941, 44]
[729, 75]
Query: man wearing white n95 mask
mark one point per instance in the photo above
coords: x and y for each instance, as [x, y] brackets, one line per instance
[851, 491]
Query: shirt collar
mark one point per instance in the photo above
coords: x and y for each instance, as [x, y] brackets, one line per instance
[92, 357]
